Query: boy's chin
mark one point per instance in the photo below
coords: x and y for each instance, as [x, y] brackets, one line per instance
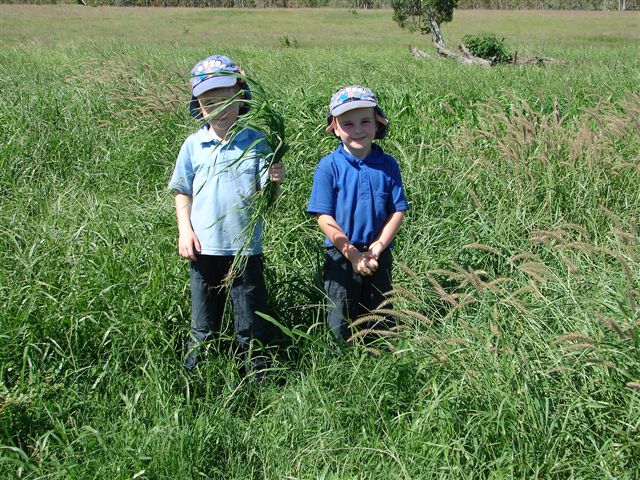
[361, 146]
[222, 122]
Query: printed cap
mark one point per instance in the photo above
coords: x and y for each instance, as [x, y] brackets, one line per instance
[216, 71]
[351, 97]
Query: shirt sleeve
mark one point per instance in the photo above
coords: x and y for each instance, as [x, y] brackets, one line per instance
[397, 199]
[323, 194]
[183, 174]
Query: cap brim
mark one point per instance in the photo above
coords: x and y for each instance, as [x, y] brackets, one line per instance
[220, 81]
[345, 107]
[380, 118]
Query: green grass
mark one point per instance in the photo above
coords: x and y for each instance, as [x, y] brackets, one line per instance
[336, 28]
[523, 228]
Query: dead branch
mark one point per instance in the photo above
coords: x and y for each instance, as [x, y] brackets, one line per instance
[419, 54]
[465, 58]
[476, 60]
[541, 61]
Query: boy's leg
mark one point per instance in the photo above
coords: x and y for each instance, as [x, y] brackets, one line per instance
[375, 289]
[343, 287]
[249, 295]
[208, 299]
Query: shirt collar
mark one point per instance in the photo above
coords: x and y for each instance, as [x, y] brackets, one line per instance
[206, 137]
[375, 157]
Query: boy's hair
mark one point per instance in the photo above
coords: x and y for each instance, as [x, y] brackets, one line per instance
[216, 71]
[350, 98]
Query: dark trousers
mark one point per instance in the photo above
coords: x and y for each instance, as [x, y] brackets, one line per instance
[208, 298]
[350, 294]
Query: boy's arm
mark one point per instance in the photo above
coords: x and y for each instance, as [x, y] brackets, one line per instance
[387, 233]
[188, 243]
[336, 235]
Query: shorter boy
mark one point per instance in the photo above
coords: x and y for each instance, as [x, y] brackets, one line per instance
[216, 177]
[359, 202]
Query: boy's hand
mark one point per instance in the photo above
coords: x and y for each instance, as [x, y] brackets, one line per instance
[372, 261]
[276, 173]
[364, 263]
[188, 245]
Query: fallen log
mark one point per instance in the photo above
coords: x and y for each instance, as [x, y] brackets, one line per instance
[468, 58]
[473, 59]
[465, 58]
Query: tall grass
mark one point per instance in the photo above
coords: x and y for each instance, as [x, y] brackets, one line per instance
[516, 282]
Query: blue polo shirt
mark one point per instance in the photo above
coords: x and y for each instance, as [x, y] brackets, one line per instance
[359, 194]
[222, 179]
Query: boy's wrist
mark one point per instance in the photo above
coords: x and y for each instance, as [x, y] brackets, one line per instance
[350, 252]
[376, 247]
[184, 229]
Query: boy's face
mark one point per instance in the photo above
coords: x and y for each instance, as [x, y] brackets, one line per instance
[211, 100]
[357, 129]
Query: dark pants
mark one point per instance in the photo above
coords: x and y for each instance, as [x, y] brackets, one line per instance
[208, 298]
[350, 294]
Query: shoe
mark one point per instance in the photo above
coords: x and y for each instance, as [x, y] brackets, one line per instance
[190, 362]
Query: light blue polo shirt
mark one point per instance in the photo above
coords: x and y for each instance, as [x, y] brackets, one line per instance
[222, 179]
[359, 194]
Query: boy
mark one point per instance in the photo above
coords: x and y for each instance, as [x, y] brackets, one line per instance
[216, 176]
[359, 202]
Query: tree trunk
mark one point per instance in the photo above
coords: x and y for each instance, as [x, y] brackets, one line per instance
[435, 30]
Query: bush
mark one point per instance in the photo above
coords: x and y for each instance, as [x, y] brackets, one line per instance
[488, 46]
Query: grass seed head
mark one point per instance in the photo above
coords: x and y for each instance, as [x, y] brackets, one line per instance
[568, 337]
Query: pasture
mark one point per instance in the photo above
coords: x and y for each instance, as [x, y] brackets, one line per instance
[517, 269]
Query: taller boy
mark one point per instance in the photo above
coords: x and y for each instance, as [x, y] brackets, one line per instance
[359, 202]
[216, 177]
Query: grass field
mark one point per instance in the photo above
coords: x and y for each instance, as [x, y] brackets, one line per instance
[517, 269]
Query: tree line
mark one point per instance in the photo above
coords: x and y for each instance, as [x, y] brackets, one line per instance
[606, 5]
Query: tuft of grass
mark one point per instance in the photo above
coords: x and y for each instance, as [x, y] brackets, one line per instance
[511, 173]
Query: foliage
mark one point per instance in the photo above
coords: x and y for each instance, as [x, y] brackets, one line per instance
[418, 15]
[488, 46]
[287, 42]
[606, 5]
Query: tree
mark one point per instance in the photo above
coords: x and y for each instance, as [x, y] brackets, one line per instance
[424, 16]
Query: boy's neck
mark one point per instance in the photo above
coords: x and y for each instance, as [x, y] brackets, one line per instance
[218, 131]
[360, 155]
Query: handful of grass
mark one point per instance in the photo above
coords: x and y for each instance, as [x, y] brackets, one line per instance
[265, 119]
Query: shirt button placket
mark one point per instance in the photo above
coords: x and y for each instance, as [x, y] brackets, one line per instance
[364, 183]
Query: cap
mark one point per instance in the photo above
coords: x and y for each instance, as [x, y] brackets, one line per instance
[216, 71]
[352, 97]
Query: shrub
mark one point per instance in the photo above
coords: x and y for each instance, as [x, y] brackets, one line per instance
[488, 46]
